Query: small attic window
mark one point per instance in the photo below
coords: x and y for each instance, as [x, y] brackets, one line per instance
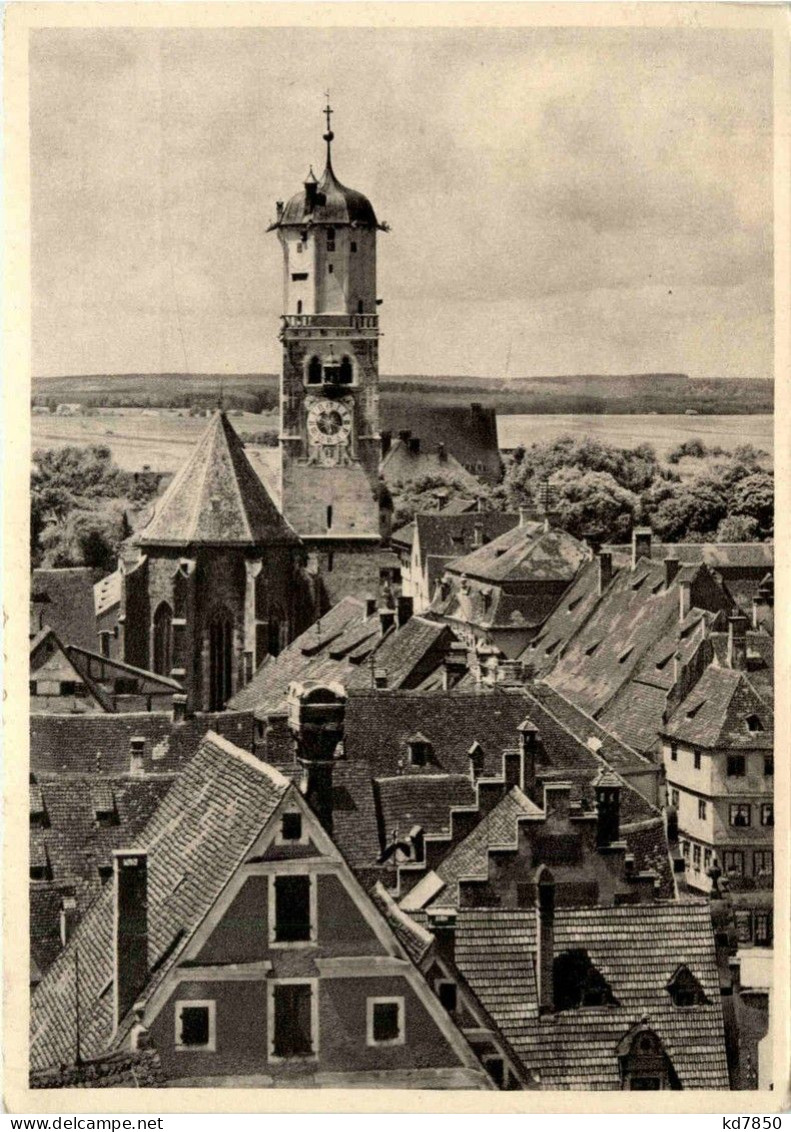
[551, 648]
[625, 655]
[685, 989]
[663, 663]
[592, 648]
[573, 604]
[291, 827]
[655, 589]
[38, 813]
[39, 863]
[578, 983]
[754, 723]
[419, 749]
[103, 803]
[636, 585]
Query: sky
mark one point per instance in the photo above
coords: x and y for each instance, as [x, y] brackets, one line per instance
[560, 200]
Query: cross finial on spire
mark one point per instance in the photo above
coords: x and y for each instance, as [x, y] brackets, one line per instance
[329, 134]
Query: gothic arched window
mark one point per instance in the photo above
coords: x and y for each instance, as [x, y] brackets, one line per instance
[220, 660]
[314, 371]
[162, 650]
[346, 375]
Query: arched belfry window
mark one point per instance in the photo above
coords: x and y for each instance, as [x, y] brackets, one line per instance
[346, 373]
[162, 643]
[220, 660]
[314, 371]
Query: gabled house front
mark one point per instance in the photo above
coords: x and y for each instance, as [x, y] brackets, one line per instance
[236, 941]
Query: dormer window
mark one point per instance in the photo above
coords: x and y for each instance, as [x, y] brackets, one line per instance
[103, 803]
[38, 813]
[419, 749]
[39, 863]
[578, 983]
[685, 989]
[754, 723]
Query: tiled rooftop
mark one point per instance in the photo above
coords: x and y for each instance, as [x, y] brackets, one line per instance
[637, 949]
[525, 553]
[724, 711]
[63, 600]
[194, 841]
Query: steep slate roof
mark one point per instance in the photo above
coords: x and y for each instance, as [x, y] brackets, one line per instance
[76, 838]
[727, 556]
[402, 464]
[106, 594]
[63, 600]
[469, 432]
[217, 498]
[339, 647]
[379, 725]
[402, 538]
[470, 858]
[449, 536]
[760, 660]
[100, 744]
[196, 838]
[525, 553]
[637, 948]
[715, 713]
[626, 627]
[407, 800]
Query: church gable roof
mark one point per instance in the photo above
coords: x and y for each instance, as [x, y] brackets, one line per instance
[217, 498]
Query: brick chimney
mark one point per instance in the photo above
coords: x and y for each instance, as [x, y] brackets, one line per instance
[404, 609]
[684, 599]
[605, 569]
[130, 929]
[370, 606]
[641, 544]
[513, 769]
[608, 807]
[442, 455]
[671, 569]
[545, 939]
[442, 923]
[529, 742]
[386, 620]
[105, 638]
[68, 918]
[179, 707]
[737, 642]
[316, 716]
[137, 754]
[414, 445]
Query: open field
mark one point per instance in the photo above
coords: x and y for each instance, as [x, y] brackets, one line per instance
[161, 440]
[664, 432]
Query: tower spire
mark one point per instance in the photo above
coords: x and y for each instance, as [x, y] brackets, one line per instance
[329, 134]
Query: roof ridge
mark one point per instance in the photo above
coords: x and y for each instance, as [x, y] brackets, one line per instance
[265, 769]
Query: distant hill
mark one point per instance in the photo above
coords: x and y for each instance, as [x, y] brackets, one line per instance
[576, 393]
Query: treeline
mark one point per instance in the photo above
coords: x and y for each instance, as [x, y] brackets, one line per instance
[601, 492]
[254, 401]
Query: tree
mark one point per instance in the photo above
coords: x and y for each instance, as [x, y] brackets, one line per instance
[594, 504]
[689, 508]
[738, 528]
[754, 496]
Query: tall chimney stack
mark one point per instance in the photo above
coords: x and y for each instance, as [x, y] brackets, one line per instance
[684, 600]
[641, 544]
[316, 717]
[671, 569]
[605, 570]
[737, 642]
[130, 929]
[545, 939]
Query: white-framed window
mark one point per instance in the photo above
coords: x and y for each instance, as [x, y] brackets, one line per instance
[763, 862]
[292, 1019]
[292, 829]
[196, 1025]
[293, 920]
[385, 1022]
[733, 862]
[740, 814]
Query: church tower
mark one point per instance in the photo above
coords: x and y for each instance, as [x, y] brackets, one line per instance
[329, 432]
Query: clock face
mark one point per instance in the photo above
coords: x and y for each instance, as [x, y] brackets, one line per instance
[329, 422]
